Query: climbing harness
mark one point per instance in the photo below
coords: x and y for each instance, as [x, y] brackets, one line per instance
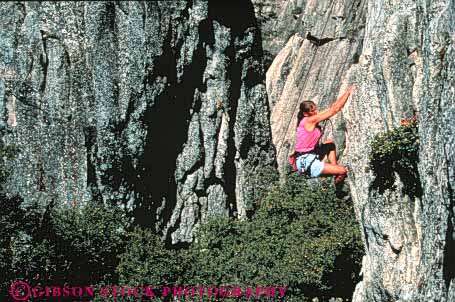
[293, 163]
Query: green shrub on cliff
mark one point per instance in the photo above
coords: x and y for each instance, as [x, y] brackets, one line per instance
[302, 237]
[147, 261]
[397, 151]
[78, 244]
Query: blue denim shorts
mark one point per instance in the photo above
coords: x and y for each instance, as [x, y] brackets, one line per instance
[304, 162]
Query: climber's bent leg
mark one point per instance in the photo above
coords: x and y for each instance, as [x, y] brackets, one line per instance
[327, 149]
[332, 169]
[338, 170]
[332, 156]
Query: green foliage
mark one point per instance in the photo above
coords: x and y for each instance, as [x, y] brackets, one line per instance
[94, 235]
[397, 151]
[262, 182]
[301, 237]
[77, 245]
[146, 260]
[297, 235]
[11, 217]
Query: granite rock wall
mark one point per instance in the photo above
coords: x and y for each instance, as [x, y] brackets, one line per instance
[156, 106]
[400, 56]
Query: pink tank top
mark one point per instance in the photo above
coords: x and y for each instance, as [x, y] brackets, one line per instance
[306, 140]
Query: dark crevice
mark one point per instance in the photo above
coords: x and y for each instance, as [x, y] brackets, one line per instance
[354, 11]
[239, 17]
[110, 17]
[191, 81]
[395, 250]
[318, 41]
[254, 76]
[367, 239]
[30, 69]
[144, 14]
[230, 171]
[186, 11]
[66, 65]
[108, 33]
[212, 180]
[247, 142]
[167, 122]
[342, 276]
[115, 92]
[338, 18]
[156, 166]
[23, 8]
[178, 245]
[44, 60]
[90, 145]
[41, 185]
[111, 29]
[355, 22]
[355, 58]
[19, 24]
[449, 249]
[206, 32]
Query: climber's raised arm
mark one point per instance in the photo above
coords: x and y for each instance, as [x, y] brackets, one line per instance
[332, 110]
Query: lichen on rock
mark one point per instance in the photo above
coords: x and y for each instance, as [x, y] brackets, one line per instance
[157, 106]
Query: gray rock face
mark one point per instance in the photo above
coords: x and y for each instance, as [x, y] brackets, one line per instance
[159, 106]
[277, 22]
[312, 65]
[281, 19]
[402, 62]
[407, 64]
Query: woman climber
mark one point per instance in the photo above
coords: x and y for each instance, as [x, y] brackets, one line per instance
[309, 156]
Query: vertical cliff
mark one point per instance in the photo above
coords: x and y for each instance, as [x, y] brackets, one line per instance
[406, 66]
[327, 39]
[159, 106]
[400, 55]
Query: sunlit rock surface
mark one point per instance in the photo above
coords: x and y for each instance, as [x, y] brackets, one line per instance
[312, 65]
